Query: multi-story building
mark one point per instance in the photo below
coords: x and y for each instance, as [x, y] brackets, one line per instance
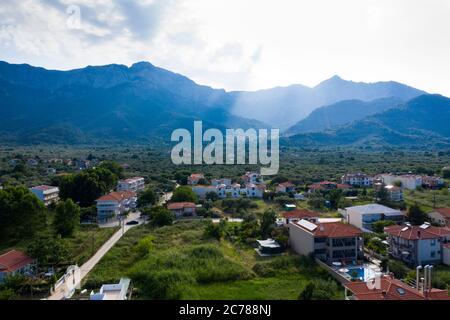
[327, 185]
[363, 217]
[218, 182]
[15, 262]
[300, 214]
[395, 194]
[182, 209]
[253, 178]
[329, 242]
[114, 204]
[432, 182]
[407, 181]
[440, 216]
[133, 184]
[417, 245]
[286, 187]
[46, 194]
[357, 179]
[195, 178]
[234, 191]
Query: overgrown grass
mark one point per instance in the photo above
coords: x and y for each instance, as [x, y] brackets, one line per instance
[183, 264]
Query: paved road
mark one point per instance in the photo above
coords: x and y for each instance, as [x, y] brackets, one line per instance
[92, 262]
[95, 259]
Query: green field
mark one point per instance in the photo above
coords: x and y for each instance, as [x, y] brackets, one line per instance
[181, 263]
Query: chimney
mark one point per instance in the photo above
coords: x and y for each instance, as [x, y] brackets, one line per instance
[418, 277]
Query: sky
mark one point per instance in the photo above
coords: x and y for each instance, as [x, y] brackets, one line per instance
[239, 44]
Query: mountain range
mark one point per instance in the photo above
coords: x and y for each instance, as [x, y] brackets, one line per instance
[423, 121]
[144, 103]
[284, 107]
[341, 113]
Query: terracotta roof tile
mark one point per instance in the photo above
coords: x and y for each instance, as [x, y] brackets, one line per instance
[416, 232]
[13, 261]
[181, 205]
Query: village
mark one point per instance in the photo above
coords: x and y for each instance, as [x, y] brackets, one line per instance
[358, 229]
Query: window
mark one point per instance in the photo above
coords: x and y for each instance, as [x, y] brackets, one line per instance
[433, 254]
[401, 292]
[433, 242]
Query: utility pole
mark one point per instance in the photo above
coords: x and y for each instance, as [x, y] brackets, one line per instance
[434, 199]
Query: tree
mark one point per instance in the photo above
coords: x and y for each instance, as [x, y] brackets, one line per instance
[114, 168]
[85, 187]
[184, 194]
[48, 251]
[212, 196]
[319, 290]
[160, 217]
[216, 230]
[383, 194]
[22, 215]
[148, 198]
[334, 196]
[67, 218]
[268, 221]
[416, 215]
[378, 227]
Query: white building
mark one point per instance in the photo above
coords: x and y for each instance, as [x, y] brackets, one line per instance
[357, 179]
[46, 194]
[363, 217]
[395, 193]
[114, 204]
[329, 242]
[418, 245]
[134, 184]
[116, 292]
[218, 182]
[408, 181]
[253, 177]
[195, 178]
[234, 191]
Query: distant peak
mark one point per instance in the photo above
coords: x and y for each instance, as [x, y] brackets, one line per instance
[333, 80]
[142, 65]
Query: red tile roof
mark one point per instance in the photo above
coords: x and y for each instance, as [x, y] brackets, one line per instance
[118, 196]
[300, 214]
[393, 289]
[13, 261]
[416, 232]
[445, 212]
[334, 230]
[181, 205]
[197, 176]
[43, 188]
[287, 185]
[323, 184]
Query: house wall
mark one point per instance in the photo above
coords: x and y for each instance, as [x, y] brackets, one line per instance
[426, 247]
[301, 241]
[446, 256]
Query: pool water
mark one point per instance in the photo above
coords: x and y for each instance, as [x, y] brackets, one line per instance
[363, 273]
[358, 272]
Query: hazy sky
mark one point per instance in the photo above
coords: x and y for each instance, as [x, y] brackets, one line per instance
[239, 44]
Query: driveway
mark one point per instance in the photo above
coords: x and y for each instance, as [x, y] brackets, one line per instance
[95, 259]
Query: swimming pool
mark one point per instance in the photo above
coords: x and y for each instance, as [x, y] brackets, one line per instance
[363, 273]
